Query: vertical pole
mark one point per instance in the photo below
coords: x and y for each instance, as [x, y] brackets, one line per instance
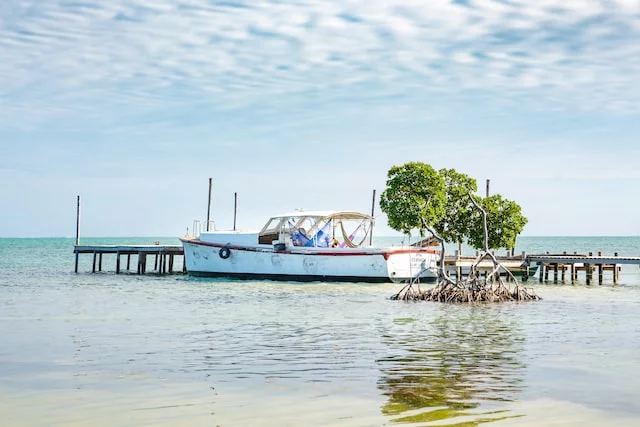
[600, 270]
[555, 272]
[209, 203]
[541, 272]
[78, 224]
[118, 262]
[77, 231]
[574, 273]
[93, 269]
[546, 273]
[170, 263]
[235, 209]
[615, 271]
[373, 209]
[488, 184]
[524, 275]
[128, 261]
[100, 262]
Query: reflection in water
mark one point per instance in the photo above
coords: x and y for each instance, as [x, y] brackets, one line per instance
[446, 368]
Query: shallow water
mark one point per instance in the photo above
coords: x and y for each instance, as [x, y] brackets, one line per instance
[102, 349]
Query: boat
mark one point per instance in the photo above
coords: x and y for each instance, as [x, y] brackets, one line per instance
[333, 246]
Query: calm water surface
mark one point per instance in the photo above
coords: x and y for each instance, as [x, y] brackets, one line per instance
[101, 349]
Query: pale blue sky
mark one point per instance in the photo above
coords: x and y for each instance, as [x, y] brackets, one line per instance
[134, 104]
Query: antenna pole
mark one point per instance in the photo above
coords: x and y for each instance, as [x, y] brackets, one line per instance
[373, 207]
[235, 209]
[78, 223]
[209, 203]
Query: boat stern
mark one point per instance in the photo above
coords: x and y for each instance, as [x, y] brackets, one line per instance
[406, 264]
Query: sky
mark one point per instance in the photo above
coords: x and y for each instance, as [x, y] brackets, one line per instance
[135, 104]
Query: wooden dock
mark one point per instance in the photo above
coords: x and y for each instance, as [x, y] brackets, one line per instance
[164, 257]
[563, 266]
[559, 264]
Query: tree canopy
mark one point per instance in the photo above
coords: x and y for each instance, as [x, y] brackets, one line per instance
[504, 223]
[415, 197]
[419, 197]
[457, 221]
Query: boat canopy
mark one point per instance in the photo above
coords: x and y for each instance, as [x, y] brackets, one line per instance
[326, 214]
[318, 228]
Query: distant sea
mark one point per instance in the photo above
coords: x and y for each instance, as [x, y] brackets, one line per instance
[125, 350]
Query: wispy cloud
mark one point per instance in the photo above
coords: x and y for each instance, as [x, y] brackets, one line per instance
[64, 59]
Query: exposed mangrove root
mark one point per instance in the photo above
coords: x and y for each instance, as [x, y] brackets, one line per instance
[410, 292]
[472, 291]
[473, 288]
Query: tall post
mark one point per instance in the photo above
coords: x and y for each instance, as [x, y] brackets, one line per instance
[373, 208]
[488, 183]
[600, 276]
[77, 233]
[541, 270]
[235, 209]
[209, 203]
[78, 223]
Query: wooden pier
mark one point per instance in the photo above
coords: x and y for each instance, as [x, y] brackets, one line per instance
[563, 266]
[164, 257]
[559, 264]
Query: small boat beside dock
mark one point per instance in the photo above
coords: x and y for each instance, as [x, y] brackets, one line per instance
[308, 246]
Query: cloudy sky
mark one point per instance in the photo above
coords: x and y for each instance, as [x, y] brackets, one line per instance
[134, 104]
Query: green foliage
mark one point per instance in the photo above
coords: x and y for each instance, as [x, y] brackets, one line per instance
[456, 224]
[504, 222]
[418, 196]
[415, 197]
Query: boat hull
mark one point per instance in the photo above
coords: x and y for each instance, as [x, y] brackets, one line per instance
[373, 265]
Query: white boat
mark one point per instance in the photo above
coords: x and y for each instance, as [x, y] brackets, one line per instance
[307, 246]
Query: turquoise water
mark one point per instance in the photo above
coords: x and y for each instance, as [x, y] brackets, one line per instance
[106, 349]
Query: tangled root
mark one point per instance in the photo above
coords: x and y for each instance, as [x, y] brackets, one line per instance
[466, 292]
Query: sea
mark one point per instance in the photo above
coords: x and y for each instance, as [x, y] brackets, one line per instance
[126, 350]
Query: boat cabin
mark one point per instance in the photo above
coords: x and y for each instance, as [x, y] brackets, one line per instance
[319, 229]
